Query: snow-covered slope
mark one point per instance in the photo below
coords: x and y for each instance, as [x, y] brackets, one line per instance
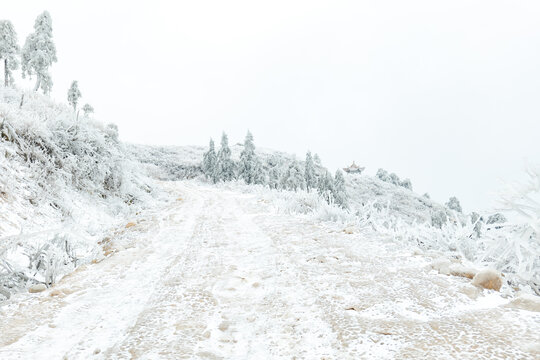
[63, 184]
[394, 210]
[184, 162]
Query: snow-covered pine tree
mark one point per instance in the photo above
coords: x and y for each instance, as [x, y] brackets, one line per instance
[39, 52]
[273, 177]
[225, 165]
[88, 109]
[453, 204]
[338, 191]
[274, 173]
[250, 166]
[309, 172]
[9, 50]
[293, 178]
[74, 94]
[209, 162]
[325, 187]
[317, 160]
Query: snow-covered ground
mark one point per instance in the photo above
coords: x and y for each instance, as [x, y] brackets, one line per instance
[221, 273]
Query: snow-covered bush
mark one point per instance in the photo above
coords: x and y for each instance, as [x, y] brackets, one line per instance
[453, 204]
[393, 179]
[438, 219]
[496, 218]
[302, 202]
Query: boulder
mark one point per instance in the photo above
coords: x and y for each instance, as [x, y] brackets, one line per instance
[488, 279]
[37, 288]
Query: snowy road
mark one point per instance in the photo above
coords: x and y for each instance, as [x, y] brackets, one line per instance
[219, 274]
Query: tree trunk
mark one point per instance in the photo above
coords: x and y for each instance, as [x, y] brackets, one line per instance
[6, 73]
[38, 82]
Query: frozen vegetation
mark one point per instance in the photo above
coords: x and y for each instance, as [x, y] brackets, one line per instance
[63, 185]
[233, 251]
[390, 206]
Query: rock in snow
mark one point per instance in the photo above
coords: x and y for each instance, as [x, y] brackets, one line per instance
[488, 279]
[37, 288]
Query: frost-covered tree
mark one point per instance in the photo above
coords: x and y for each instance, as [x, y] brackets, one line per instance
[275, 165]
[293, 178]
[39, 52]
[339, 192]
[88, 109]
[9, 50]
[394, 179]
[74, 94]
[309, 172]
[224, 165]
[383, 175]
[249, 168]
[274, 175]
[438, 219]
[209, 162]
[317, 159]
[325, 186]
[453, 204]
[426, 195]
[406, 184]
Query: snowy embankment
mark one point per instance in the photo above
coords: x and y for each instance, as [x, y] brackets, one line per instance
[64, 185]
[220, 274]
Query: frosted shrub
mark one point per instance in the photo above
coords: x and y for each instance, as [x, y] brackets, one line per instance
[438, 219]
[383, 175]
[407, 184]
[496, 219]
[302, 202]
[453, 204]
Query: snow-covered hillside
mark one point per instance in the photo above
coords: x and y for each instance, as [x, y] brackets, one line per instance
[64, 183]
[184, 162]
[399, 212]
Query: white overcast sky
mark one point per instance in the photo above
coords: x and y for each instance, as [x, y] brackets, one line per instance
[446, 93]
